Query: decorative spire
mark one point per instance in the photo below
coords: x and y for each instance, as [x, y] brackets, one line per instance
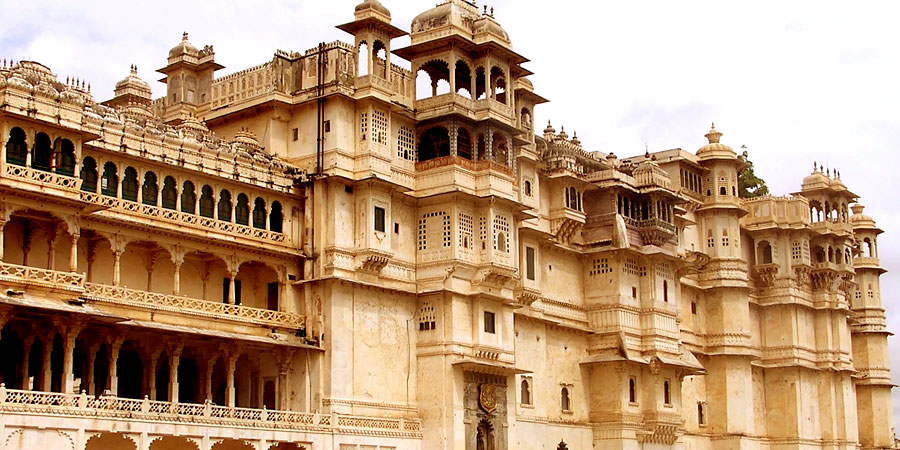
[575, 138]
[549, 128]
[184, 36]
[713, 135]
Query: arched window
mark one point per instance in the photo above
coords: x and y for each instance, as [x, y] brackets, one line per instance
[65, 157]
[89, 175]
[723, 191]
[150, 190]
[632, 391]
[362, 59]
[564, 399]
[528, 188]
[16, 147]
[434, 143]
[41, 155]
[207, 203]
[109, 183]
[188, 198]
[276, 218]
[667, 397]
[242, 210]
[130, 184]
[169, 193]
[867, 247]
[526, 392]
[501, 241]
[259, 213]
[225, 205]
[701, 418]
[665, 291]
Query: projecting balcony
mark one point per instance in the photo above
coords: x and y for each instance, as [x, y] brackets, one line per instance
[22, 277]
[182, 221]
[653, 231]
[451, 103]
[455, 173]
[35, 180]
[832, 227]
[186, 306]
[111, 412]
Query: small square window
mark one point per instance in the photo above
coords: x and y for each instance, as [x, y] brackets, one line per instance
[379, 219]
[296, 134]
[489, 326]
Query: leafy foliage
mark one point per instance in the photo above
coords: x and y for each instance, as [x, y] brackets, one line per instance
[750, 185]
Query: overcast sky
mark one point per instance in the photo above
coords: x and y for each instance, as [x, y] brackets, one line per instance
[795, 82]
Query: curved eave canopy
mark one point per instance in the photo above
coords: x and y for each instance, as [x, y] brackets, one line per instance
[357, 25]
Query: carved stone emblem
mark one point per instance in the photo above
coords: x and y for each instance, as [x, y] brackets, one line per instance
[487, 397]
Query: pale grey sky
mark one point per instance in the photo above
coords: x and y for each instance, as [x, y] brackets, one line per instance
[793, 81]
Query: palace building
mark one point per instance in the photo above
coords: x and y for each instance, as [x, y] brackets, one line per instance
[312, 253]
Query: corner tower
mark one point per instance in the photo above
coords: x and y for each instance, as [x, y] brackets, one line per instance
[728, 340]
[188, 78]
[869, 336]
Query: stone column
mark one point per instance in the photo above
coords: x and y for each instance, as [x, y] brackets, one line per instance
[284, 370]
[231, 294]
[230, 363]
[472, 77]
[207, 381]
[112, 381]
[54, 233]
[46, 370]
[73, 253]
[454, 136]
[151, 381]
[451, 65]
[151, 264]
[174, 359]
[117, 269]
[92, 359]
[489, 144]
[26, 347]
[176, 278]
[510, 154]
[3, 222]
[69, 330]
[177, 196]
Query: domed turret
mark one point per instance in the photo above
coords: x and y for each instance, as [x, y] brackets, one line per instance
[132, 90]
[816, 180]
[714, 149]
[184, 48]
[369, 6]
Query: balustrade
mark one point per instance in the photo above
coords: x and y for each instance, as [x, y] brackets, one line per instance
[30, 276]
[192, 306]
[45, 178]
[181, 218]
[112, 407]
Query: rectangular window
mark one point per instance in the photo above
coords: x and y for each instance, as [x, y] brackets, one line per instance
[489, 326]
[396, 228]
[529, 263]
[327, 126]
[237, 292]
[272, 296]
[296, 134]
[379, 219]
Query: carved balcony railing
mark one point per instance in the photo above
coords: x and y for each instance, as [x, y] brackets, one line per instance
[475, 166]
[43, 178]
[653, 231]
[191, 306]
[181, 218]
[25, 276]
[111, 407]
[832, 227]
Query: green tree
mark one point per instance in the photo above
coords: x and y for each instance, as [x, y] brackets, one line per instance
[750, 185]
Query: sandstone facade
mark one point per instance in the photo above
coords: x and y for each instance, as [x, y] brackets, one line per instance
[312, 253]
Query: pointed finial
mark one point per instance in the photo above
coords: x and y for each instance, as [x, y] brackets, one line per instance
[485, 9]
[184, 36]
[815, 167]
[821, 168]
[492, 11]
[713, 135]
